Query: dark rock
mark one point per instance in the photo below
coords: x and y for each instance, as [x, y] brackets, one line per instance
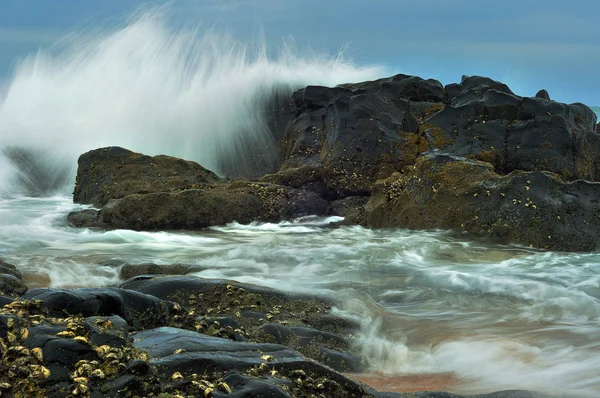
[5, 300]
[543, 94]
[174, 350]
[108, 330]
[213, 291]
[325, 347]
[139, 310]
[62, 351]
[531, 208]
[341, 207]
[6, 268]
[240, 201]
[5, 324]
[137, 367]
[486, 121]
[114, 172]
[244, 387]
[346, 137]
[222, 321]
[203, 353]
[83, 218]
[131, 270]
[49, 331]
[11, 285]
[122, 386]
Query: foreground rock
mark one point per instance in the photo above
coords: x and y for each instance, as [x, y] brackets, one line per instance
[216, 341]
[246, 312]
[531, 208]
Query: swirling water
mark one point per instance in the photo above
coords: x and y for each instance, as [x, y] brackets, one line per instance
[488, 316]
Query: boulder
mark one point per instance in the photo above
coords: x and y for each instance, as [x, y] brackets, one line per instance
[537, 208]
[484, 120]
[11, 286]
[114, 172]
[83, 218]
[138, 309]
[11, 281]
[6, 268]
[346, 137]
[220, 204]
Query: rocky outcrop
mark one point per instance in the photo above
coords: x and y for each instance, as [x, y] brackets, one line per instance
[142, 192]
[532, 208]
[344, 138]
[114, 172]
[220, 204]
[343, 146]
[486, 121]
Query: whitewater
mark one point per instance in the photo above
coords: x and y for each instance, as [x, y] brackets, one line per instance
[481, 316]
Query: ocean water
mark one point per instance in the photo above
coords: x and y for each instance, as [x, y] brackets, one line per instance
[432, 304]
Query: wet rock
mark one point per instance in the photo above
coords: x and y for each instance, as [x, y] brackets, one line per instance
[202, 291]
[346, 137]
[530, 208]
[325, 347]
[109, 330]
[341, 207]
[244, 386]
[201, 353]
[129, 271]
[6, 268]
[221, 204]
[484, 120]
[11, 286]
[183, 353]
[5, 300]
[114, 172]
[139, 310]
[83, 219]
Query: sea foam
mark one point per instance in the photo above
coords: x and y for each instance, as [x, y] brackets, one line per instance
[190, 93]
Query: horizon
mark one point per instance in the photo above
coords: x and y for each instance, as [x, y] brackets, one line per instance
[557, 49]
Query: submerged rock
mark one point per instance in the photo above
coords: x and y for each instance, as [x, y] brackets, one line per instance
[530, 208]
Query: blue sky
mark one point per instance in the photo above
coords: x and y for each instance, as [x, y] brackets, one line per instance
[529, 44]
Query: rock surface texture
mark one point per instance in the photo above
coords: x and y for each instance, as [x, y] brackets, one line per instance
[178, 336]
[395, 152]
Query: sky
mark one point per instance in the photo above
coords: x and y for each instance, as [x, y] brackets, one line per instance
[528, 44]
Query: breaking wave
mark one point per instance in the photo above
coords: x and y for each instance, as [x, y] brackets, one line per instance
[190, 93]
